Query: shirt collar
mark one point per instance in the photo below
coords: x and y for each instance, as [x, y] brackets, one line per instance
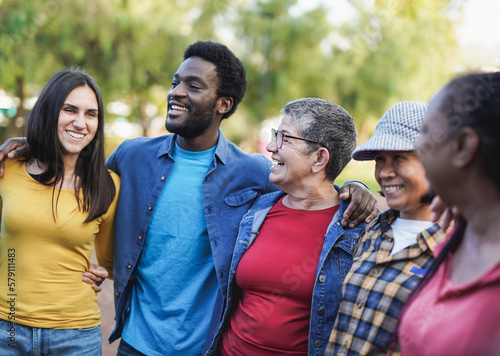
[168, 147]
[431, 236]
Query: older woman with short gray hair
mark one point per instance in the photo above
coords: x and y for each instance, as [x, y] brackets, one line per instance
[292, 251]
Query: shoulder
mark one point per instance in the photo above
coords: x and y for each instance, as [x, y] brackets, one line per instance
[137, 150]
[237, 156]
[142, 143]
[115, 177]
[266, 200]
[13, 167]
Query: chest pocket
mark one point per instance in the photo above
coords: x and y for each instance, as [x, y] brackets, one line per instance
[238, 205]
[344, 250]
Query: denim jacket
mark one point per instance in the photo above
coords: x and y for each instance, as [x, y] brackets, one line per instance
[334, 263]
[231, 185]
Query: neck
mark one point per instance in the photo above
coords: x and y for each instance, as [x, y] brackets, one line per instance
[196, 144]
[315, 197]
[423, 213]
[69, 180]
[203, 142]
[479, 204]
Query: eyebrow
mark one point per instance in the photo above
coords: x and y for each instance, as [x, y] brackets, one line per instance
[190, 78]
[76, 107]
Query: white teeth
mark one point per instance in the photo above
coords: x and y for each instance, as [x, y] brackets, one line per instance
[393, 188]
[278, 163]
[75, 135]
[177, 107]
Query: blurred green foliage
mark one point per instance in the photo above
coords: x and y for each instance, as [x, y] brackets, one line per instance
[388, 51]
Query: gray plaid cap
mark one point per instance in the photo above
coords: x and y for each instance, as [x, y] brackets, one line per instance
[397, 130]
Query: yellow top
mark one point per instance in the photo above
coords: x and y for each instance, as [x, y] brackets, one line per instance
[41, 260]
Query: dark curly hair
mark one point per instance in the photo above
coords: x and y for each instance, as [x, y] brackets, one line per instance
[231, 71]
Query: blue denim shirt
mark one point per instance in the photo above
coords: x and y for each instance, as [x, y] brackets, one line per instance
[231, 185]
[334, 264]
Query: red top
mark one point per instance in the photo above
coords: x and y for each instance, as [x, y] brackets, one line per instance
[276, 276]
[450, 319]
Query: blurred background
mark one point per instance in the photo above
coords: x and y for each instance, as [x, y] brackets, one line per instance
[365, 55]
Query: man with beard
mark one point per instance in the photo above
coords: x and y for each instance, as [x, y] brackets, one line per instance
[176, 224]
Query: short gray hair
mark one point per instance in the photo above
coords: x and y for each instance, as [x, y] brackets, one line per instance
[327, 123]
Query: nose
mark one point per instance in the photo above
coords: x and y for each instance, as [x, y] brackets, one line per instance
[386, 170]
[271, 146]
[79, 122]
[177, 91]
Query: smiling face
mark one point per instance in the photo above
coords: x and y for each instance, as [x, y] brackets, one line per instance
[78, 121]
[401, 177]
[292, 167]
[192, 99]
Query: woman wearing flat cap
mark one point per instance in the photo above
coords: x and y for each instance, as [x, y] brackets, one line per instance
[396, 249]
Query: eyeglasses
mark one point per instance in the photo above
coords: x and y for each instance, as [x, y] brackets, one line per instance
[279, 136]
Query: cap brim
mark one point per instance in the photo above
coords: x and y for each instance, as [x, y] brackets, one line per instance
[367, 151]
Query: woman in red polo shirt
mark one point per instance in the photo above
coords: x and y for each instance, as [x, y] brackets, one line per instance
[454, 311]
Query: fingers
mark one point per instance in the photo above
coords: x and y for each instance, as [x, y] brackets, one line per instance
[358, 215]
[96, 288]
[12, 148]
[95, 276]
[438, 207]
[374, 210]
[98, 271]
[363, 205]
[354, 213]
[447, 218]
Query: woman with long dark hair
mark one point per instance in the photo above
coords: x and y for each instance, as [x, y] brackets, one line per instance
[55, 204]
[454, 310]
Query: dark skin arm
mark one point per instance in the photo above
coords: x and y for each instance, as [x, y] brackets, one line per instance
[363, 206]
[12, 148]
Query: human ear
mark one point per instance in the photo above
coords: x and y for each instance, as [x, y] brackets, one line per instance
[224, 103]
[466, 144]
[322, 156]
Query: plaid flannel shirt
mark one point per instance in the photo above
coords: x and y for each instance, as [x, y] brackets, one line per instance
[377, 286]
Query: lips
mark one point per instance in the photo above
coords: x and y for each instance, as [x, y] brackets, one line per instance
[76, 135]
[389, 189]
[178, 107]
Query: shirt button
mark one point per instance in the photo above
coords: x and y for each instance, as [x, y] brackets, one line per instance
[321, 311]
[317, 343]
[162, 178]
[359, 305]
[375, 272]
[117, 294]
[129, 266]
[322, 278]
[140, 237]
[150, 208]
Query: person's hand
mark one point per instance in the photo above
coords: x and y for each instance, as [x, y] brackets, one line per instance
[363, 205]
[444, 212]
[15, 147]
[94, 276]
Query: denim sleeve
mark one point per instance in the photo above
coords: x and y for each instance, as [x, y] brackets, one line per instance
[112, 162]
